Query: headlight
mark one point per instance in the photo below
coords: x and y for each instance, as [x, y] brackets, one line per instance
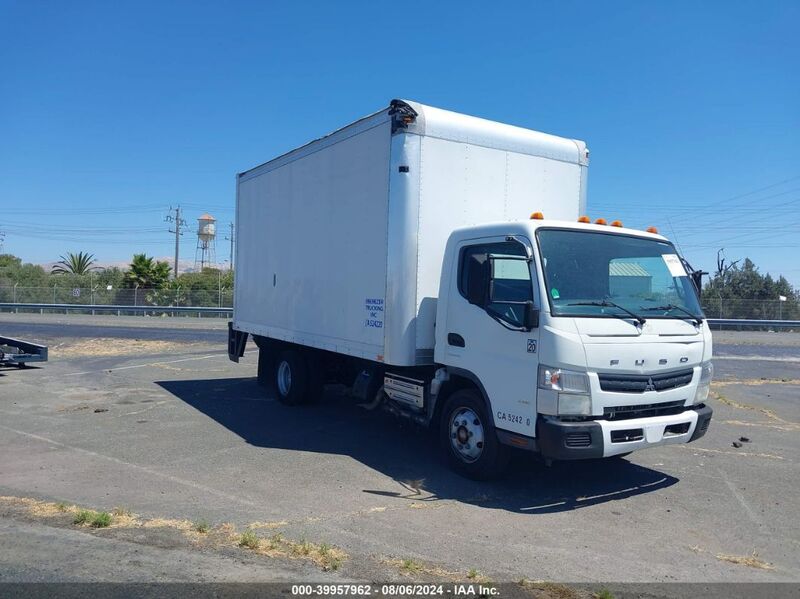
[574, 404]
[558, 379]
[704, 385]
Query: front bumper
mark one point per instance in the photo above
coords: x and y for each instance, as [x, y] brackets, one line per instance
[605, 438]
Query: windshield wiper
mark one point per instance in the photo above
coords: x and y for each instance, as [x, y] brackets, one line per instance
[669, 307]
[608, 304]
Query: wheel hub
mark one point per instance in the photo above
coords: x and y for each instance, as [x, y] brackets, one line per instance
[466, 435]
[284, 378]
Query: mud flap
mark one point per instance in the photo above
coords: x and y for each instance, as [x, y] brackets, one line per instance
[236, 343]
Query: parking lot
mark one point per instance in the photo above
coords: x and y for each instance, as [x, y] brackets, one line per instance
[147, 415]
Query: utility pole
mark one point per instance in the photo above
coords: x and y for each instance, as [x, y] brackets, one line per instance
[179, 225]
[231, 239]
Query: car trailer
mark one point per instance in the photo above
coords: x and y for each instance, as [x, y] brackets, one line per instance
[15, 352]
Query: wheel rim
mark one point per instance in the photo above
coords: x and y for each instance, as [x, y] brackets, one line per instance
[284, 378]
[466, 435]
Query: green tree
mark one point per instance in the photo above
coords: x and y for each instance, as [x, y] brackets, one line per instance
[78, 264]
[209, 287]
[20, 281]
[146, 272]
[743, 292]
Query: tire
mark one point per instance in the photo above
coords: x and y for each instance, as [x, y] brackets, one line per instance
[266, 366]
[290, 378]
[468, 437]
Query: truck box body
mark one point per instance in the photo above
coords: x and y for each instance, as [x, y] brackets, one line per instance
[340, 242]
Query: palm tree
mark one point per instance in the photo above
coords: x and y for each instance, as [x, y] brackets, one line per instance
[78, 264]
[145, 272]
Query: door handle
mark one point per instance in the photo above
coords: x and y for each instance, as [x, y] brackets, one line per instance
[455, 340]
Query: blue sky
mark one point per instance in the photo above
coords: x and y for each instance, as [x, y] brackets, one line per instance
[110, 112]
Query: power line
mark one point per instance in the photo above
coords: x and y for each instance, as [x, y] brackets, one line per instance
[85, 211]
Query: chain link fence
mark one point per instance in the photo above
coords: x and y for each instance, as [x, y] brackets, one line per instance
[207, 298]
[752, 309]
[223, 298]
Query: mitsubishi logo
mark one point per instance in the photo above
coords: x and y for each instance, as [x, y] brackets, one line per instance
[650, 385]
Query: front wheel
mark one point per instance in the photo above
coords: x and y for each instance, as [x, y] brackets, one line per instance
[469, 439]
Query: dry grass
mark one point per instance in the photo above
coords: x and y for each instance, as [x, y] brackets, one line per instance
[323, 555]
[548, 590]
[182, 525]
[39, 509]
[110, 346]
[747, 454]
[268, 525]
[413, 567]
[774, 420]
[409, 567]
[752, 560]
[418, 505]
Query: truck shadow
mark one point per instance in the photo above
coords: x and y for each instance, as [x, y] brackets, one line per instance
[408, 453]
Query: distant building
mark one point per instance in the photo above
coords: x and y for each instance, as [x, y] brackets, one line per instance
[629, 278]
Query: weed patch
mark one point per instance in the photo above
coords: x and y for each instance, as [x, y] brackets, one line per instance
[249, 540]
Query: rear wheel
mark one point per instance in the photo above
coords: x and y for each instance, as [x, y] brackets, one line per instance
[289, 377]
[468, 437]
[296, 377]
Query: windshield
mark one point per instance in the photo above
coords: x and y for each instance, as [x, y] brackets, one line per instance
[641, 276]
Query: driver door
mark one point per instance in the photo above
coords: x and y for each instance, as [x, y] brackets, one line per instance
[489, 340]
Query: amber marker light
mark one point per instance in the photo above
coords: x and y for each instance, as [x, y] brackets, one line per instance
[651, 230]
[584, 219]
[616, 223]
[537, 216]
[600, 221]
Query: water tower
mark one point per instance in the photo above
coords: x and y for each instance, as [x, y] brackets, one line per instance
[205, 254]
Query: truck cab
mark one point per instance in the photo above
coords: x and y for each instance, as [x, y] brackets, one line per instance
[583, 341]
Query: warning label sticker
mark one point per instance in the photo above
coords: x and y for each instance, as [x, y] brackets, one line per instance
[674, 265]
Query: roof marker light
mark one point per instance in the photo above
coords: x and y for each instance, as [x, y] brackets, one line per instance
[600, 221]
[651, 230]
[584, 219]
[537, 216]
[616, 223]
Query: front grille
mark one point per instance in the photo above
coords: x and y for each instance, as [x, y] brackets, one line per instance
[578, 440]
[639, 383]
[644, 410]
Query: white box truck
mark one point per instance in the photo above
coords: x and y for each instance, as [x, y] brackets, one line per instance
[399, 255]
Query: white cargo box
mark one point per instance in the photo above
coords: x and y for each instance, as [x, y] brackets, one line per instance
[339, 243]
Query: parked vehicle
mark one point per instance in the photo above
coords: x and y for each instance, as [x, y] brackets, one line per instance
[399, 255]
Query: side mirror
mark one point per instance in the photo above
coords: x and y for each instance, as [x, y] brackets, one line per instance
[531, 316]
[478, 279]
[697, 279]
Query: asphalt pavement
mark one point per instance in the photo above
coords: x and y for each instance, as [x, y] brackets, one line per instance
[148, 415]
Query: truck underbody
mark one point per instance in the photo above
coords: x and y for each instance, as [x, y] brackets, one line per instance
[420, 394]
